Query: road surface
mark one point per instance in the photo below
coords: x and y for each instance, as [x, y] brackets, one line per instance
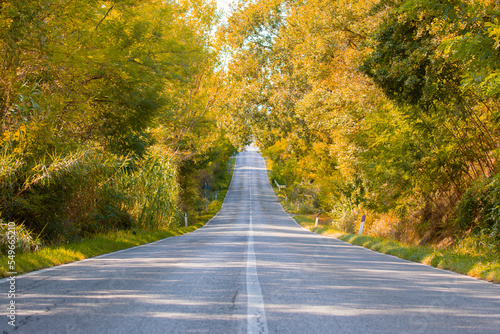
[252, 269]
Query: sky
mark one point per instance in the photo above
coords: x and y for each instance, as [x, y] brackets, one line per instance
[223, 4]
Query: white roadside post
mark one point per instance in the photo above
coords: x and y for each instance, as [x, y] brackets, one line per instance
[316, 222]
[185, 219]
[279, 185]
[362, 225]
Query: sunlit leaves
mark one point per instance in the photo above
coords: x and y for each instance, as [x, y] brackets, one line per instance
[115, 77]
[304, 74]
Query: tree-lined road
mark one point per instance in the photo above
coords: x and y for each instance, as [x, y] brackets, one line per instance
[251, 269]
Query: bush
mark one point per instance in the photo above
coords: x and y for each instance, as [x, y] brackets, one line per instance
[66, 196]
[23, 237]
[154, 190]
[91, 191]
[346, 223]
[479, 210]
[473, 207]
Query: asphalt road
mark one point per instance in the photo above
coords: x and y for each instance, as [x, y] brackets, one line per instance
[252, 269]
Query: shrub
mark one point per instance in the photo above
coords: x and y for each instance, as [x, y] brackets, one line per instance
[346, 223]
[23, 237]
[66, 196]
[154, 189]
[479, 210]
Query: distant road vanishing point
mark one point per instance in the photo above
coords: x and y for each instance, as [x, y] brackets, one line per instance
[252, 269]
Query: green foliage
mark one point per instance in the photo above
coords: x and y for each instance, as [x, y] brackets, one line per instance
[66, 196]
[405, 63]
[478, 211]
[473, 207]
[380, 107]
[154, 190]
[442, 134]
[105, 242]
[101, 104]
[208, 167]
[24, 239]
[475, 48]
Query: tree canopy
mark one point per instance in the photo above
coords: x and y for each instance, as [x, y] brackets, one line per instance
[387, 107]
[106, 108]
[382, 107]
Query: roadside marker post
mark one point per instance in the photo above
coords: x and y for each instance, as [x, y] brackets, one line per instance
[185, 219]
[279, 185]
[316, 222]
[362, 225]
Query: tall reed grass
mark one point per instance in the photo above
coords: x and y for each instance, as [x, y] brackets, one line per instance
[154, 190]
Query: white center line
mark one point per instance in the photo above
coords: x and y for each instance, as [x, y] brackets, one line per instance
[256, 315]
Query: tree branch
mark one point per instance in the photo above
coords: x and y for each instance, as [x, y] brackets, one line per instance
[106, 15]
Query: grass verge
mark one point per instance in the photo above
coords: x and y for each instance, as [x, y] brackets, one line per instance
[324, 227]
[478, 264]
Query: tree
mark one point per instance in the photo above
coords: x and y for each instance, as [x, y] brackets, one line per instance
[293, 81]
[91, 93]
[395, 96]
